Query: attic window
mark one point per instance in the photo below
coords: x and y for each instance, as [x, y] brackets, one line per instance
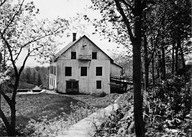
[73, 55]
[94, 55]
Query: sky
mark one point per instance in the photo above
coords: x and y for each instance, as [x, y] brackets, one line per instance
[67, 9]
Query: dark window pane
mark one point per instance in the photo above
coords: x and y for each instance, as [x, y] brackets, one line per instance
[98, 71]
[68, 71]
[51, 69]
[75, 84]
[68, 84]
[98, 84]
[73, 55]
[54, 70]
[83, 71]
[94, 55]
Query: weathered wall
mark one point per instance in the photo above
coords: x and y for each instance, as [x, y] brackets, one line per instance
[87, 84]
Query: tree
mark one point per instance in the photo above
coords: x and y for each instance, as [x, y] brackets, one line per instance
[129, 15]
[155, 28]
[20, 31]
[28, 75]
[39, 82]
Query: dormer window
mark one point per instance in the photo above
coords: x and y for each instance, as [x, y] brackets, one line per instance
[73, 55]
[94, 55]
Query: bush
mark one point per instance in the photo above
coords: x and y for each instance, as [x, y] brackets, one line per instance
[166, 109]
[167, 106]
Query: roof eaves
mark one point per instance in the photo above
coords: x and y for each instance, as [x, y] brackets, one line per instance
[65, 49]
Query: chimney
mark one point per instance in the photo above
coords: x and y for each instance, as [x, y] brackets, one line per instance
[74, 36]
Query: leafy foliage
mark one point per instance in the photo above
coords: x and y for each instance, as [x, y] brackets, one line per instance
[21, 32]
[166, 112]
[168, 107]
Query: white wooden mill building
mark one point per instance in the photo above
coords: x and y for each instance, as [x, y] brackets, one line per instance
[82, 67]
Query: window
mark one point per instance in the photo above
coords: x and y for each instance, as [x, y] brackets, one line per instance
[50, 81]
[53, 70]
[83, 71]
[98, 84]
[73, 55]
[94, 55]
[98, 71]
[68, 71]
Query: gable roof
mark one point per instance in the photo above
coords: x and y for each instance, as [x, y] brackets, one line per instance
[74, 42]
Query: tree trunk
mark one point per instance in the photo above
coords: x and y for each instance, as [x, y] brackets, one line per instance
[176, 56]
[10, 128]
[146, 63]
[138, 98]
[163, 63]
[182, 56]
[173, 58]
[158, 66]
[153, 71]
[13, 119]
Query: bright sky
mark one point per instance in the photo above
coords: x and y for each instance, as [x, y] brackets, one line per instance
[52, 9]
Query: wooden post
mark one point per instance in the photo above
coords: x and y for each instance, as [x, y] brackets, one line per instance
[189, 63]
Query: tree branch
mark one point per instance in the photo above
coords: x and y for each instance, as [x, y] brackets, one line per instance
[36, 39]
[2, 115]
[12, 19]
[128, 5]
[24, 62]
[18, 53]
[10, 52]
[127, 23]
[5, 97]
[2, 2]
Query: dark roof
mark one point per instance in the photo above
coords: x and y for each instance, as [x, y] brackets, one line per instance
[72, 43]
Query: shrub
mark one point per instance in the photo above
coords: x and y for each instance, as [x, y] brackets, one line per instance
[167, 106]
[166, 110]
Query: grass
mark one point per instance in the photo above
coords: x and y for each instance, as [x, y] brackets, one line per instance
[95, 101]
[25, 85]
[35, 106]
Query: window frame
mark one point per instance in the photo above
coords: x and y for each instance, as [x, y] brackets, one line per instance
[94, 55]
[73, 55]
[83, 72]
[99, 72]
[68, 74]
[98, 84]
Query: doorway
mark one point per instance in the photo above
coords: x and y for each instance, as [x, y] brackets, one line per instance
[72, 87]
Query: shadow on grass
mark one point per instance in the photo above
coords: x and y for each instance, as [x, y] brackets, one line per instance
[51, 106]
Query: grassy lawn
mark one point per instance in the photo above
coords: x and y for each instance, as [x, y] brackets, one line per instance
[34, 106]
